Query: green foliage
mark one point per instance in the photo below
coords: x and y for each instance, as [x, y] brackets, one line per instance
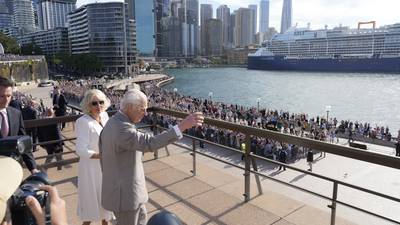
[10, 44]
[79, 63]
[31, 49]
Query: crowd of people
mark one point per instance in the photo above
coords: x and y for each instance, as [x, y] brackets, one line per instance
[299, 124]
[110, 158]
[107, 146]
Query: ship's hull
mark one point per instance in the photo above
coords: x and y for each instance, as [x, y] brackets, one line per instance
[364, 65]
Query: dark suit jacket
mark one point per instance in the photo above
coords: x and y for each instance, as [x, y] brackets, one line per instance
[16, 127]
[50, 133]
[60, 106]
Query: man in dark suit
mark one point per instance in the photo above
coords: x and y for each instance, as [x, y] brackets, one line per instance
[59, 104]
[11, 122]
[50, 133]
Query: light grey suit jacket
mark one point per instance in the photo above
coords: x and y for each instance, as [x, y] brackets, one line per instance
[121, 146]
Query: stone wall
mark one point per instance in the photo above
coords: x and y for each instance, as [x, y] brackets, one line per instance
[24, 70]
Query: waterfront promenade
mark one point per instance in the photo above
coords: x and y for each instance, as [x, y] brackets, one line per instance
[214, 196]
[375, 177]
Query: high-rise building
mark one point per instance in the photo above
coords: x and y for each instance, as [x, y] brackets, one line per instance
[23, 18]
[145, 26]
[176, 23]
[244, 34]
[286, 20]
[264, 16]
[213, 37]
[105, 30]
[232, 24]
[50, 41]
[53, 13]
[254, 18]
[191, 33]
[131, 8]
[35, 14]
[5, 16]
[9, 5]
[206, 13]
[224, 15]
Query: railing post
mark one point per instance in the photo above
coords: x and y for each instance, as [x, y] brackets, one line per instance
[247, 169]
[194, 157]
[333, 206]
[155, 132]
[259, 186]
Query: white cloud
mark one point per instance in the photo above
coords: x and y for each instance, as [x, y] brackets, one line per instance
[329, 12]
[317, 12]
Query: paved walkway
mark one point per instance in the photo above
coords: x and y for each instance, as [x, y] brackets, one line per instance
[287, 205]
[215, 195]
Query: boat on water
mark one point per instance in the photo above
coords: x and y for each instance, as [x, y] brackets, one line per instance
[332, 50]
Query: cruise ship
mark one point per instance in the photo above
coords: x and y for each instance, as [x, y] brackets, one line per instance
[332, 50]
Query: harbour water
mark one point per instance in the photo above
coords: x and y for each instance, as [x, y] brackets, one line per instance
[373, 98]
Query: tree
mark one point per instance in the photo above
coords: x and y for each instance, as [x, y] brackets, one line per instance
[79, 63]
[31, 49]
[10, 44]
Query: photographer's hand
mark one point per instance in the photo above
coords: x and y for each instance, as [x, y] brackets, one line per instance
[57, 207]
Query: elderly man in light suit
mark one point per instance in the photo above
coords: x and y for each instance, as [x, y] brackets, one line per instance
[121, 146]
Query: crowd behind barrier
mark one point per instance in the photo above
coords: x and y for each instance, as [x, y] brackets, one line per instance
[10, 57]
[300, 124]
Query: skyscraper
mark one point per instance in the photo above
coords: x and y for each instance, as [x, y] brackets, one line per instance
[213, 37]
[192, 23]
[231, 29]
[264, 16]
[105, 30]
[254, 18]
[286, 20]
[223, 14]
[23, 16]
[176, 23]
[53, 13]
[206, 13]
[145, 26]
[5, 16]
[243, 27]
[131, 8]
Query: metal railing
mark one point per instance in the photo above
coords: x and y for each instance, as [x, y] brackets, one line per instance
[250, 165]
[250, 162]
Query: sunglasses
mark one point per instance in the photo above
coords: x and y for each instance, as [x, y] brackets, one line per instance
[95, 103]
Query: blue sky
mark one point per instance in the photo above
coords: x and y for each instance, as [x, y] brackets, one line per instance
[319, 12]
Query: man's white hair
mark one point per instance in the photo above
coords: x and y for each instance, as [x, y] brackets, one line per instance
[132, 97]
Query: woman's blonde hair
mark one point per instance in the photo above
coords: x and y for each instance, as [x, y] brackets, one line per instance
[87, 100]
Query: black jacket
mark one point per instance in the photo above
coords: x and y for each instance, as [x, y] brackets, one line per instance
[50, 133]
[60, 104]
[16, 127]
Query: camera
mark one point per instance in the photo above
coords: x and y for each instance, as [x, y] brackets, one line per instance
[14, 147]
[20, 212]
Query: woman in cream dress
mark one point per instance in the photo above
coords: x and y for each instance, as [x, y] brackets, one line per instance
[87, 130]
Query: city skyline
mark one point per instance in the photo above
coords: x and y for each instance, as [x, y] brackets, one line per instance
[316, 12]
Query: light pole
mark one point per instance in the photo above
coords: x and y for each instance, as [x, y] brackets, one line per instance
[210, 94]
[327, 109]
[258, 104]
[175, 91]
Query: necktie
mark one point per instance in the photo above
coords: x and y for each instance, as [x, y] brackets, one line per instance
[4, 124]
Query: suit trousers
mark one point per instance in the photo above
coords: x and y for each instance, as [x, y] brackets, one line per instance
[134, 217]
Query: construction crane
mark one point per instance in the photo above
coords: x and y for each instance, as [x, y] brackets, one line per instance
[369, 22]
